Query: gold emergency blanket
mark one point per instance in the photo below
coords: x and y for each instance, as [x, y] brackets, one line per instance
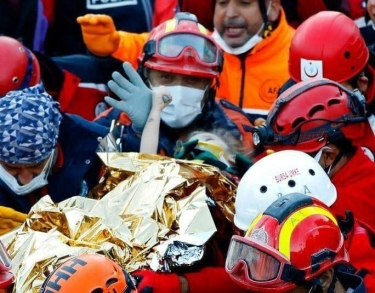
[148, 211]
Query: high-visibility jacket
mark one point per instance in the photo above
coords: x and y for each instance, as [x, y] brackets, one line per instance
[252, 81]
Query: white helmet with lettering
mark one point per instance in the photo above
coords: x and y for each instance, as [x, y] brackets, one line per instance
[278, 174]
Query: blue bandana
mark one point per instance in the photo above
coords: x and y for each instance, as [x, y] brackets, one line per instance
[29, 125]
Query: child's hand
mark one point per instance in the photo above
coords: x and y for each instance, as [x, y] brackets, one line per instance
[160, 98]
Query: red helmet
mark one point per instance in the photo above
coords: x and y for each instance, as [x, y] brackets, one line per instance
[328, 44]
[88, 273]
[20, 68]
[295, 240]
[310, 114]
[183, 46]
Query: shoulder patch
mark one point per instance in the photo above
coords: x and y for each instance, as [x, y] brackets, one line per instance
[269, 89]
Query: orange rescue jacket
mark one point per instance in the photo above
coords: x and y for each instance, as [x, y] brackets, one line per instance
[253, 81]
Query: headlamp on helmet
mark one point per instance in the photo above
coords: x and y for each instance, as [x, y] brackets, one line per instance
[307, 114]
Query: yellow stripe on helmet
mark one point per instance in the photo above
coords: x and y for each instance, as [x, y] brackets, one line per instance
[202, 29]
[255, 221]
[291, 223]
[170, 25]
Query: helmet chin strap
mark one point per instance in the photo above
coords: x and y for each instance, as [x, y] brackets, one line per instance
[335, 162]
[329, 168]
[317, 287]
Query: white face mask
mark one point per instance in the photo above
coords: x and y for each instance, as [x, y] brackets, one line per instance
[251, 43]
[37, 182]
[254, 40]
[185, 106]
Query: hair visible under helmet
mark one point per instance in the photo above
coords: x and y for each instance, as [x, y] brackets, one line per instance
[29, 125]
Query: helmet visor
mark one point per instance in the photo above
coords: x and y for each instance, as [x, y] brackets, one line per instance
[248, 263]
[173, 45]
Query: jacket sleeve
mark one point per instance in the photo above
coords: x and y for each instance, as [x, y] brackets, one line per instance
[131, 142]
[362, 254]
[131, 45]
[212, 279]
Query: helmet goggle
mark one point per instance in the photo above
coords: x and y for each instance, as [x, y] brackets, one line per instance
[257, 265]
[173, 47]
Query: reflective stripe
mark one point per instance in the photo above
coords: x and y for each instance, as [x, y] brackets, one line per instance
[170, 25]
[292, 221]
[255, 221]
[202, 29]
[255, 111]
[97, 86]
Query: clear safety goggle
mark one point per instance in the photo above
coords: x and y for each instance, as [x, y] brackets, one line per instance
[257, 265]
[177, 45]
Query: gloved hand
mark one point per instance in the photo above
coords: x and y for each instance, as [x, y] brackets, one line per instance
[99, 34]
[135, 95]
[9, 219]
[150, 282]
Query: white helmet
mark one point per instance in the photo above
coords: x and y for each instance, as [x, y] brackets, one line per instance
[276, 175]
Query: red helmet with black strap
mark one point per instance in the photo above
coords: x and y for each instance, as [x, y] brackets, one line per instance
[327, 45]
[19, 66]
[292, 242]
[183, 46]
[310, 114]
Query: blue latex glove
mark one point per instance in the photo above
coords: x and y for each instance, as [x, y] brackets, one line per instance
[135, 95]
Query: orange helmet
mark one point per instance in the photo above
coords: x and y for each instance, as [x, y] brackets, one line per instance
[19, 66]
[310, 114]
[327, 44]
[293, 241]
[89, 273]
[183, 46]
